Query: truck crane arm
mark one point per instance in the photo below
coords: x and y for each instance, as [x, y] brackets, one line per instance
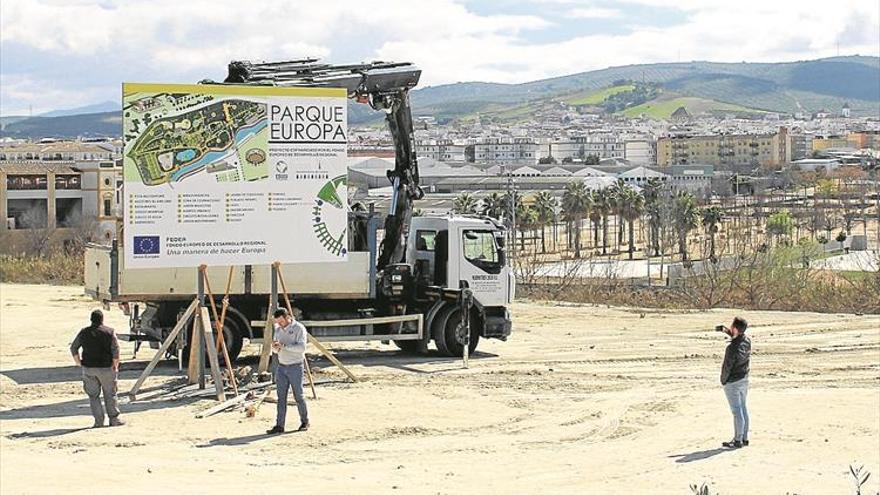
[384, 86]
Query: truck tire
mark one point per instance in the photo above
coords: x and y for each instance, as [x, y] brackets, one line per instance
[455, 338]
[438, 329]
[234, 342]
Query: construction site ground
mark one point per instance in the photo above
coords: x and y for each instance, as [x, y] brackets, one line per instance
[581, 399]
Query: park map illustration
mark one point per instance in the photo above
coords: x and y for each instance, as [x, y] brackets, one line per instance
[171, 137]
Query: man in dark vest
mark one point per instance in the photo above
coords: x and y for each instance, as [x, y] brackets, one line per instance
[100, 366]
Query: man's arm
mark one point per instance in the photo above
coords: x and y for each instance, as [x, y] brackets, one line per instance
[74, 348]
[114, 350]
[299, 339]
[276, 345]
[727, 365]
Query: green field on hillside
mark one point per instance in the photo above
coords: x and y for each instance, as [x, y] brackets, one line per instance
[596, 97]
[662, 108]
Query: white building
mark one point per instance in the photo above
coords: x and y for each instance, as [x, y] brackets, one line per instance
[640, 152]
[441, 150]
[503, 150]
[579, 147]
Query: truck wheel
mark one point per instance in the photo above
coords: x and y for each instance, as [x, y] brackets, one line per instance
[438, 329]
[234, 343]
[455, 334]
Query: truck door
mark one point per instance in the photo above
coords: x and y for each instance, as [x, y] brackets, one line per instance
[424, 255]
[483, 265]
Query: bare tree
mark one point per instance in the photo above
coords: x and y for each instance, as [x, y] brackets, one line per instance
[37, 232]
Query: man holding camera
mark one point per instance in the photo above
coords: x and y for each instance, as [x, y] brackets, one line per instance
[735, 379]
[290, 345]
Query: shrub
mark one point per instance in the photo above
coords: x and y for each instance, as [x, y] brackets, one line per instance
[57, 267]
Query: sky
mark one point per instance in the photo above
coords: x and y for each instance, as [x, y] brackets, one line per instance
[60, 54]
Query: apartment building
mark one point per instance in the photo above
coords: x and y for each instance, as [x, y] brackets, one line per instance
[508, 150]
[604, 145]
[642, 152]
[724, 151]
[444, 150]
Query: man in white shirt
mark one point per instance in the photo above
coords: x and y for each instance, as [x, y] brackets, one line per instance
[289, 344]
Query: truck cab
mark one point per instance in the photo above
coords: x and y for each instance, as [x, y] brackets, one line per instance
[463, 252]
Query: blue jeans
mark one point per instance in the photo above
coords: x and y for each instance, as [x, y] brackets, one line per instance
[287, 376]
[736, 393]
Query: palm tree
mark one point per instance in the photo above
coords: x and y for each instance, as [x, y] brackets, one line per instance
[576, 205]
[495, 206]
[712, 216]
[526, 220]
[651, 192]
[513, 202]
[465, 203]
[618, 193]
[685, 217]
[545, 205]
[631, 209]
[602, 201]
[595, 218]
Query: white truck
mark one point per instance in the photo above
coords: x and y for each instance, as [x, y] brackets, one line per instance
[438, 267]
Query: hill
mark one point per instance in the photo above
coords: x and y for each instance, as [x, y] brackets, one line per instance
[69, 126]
[805, 86]
[653, 90]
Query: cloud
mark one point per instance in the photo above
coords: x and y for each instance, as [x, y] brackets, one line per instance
[595, 13]
[101, 44]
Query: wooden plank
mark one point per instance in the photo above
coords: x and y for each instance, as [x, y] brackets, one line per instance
[208, 337]
[245, 392]
[331, 357]
[223, 405]
[309, 375]
[195, 349]
[164, 348]
[219, 321]
[266, 351]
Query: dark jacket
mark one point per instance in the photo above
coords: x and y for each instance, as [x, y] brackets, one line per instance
[99, 346]
[736, 359]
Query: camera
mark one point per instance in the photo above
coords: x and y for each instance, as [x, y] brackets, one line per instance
[719, 328]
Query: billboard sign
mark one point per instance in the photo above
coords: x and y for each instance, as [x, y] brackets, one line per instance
[233, 175]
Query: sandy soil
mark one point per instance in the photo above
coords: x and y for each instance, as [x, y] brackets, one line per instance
[582, 399]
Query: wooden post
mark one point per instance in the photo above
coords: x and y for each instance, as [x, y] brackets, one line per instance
[195, 351]
[208, 334]
[290, 310]
[219, 321]
[268, 329]
[200, 358]
[266, 352]
[181, 323]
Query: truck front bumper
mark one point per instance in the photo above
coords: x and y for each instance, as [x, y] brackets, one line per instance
[497, 324]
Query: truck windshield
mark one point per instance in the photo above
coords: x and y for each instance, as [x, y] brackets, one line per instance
[481, 250]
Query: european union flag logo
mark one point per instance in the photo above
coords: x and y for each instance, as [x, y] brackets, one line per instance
[146, 244]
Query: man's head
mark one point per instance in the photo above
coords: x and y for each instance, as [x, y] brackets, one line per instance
[282, 317]
[97, 317]
[738, 327]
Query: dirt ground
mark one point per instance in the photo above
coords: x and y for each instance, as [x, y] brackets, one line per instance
[581, 399]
